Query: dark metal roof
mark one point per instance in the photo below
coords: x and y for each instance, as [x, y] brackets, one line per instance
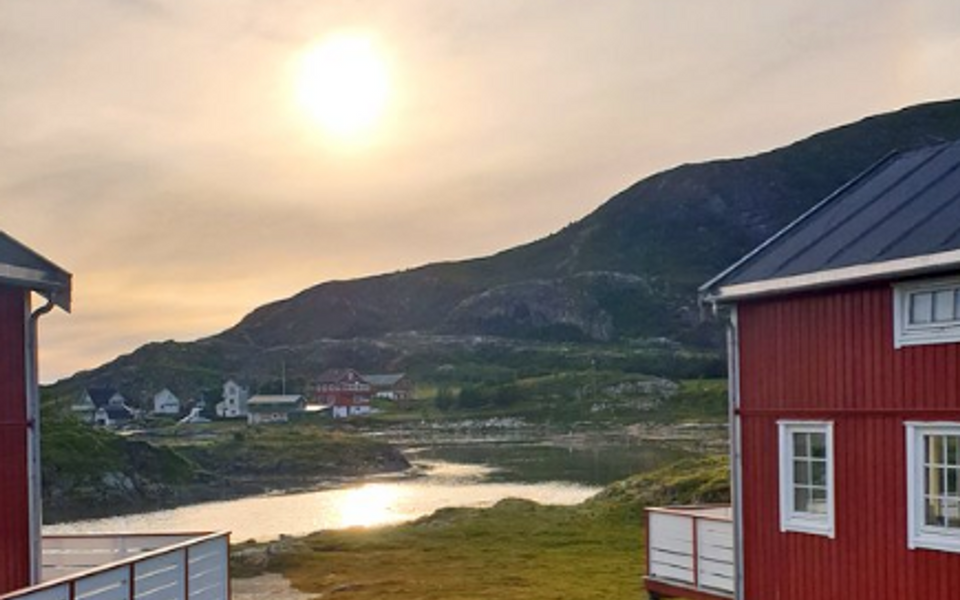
[22, 267]
[384, 380]
[906, 206]
[118, 413]
[101, 396]
[340, 375]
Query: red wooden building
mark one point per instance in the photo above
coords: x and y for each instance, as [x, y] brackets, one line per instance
[844, 336]
[22, 272]
[129, 566]
[345, 391]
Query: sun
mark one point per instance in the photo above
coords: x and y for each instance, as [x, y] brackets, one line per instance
[343, 85]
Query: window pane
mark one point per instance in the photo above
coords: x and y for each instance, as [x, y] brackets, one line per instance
[933, 450]
[818, 473]
[921, 307]
[800, 445]
[818, 504]
[953, 450]
[801, 472]
[943, 306]
[951, 512]
[951, 485]
[818, 445]
[801, 500]
[933, 513]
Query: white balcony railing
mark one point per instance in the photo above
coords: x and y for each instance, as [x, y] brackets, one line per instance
[132, 567]
[692, 548]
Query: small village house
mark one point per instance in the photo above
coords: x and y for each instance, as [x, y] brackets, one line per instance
[110, 415]
[391, 386]
[273, 409]
[234, 403]
[166, 402]
[103, 406]
[844, 346]
[92, 398]
[36, 567]
[345, 391]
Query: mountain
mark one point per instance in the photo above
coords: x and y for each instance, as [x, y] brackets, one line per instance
[626, 273]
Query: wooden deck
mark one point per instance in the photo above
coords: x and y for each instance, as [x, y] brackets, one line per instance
[690, 552]
[132, 567]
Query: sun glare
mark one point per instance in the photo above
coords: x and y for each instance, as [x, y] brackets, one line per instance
[343, 85]
[369, 505]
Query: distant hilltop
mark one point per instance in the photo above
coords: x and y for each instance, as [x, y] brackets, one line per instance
[625, 274]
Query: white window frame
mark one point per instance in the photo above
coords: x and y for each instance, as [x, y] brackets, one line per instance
[920, 535]
[910, 334]
[790, 519]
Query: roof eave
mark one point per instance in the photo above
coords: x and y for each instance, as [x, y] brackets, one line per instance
[43, 277]
[927, 264]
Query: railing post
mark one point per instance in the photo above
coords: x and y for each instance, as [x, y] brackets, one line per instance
[229, 581]
[186, 573]
[646, 514]
[695, 553]
[132, 581]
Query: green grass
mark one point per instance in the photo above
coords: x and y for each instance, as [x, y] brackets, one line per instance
[602, 397]
[76, 450]
[516, 550]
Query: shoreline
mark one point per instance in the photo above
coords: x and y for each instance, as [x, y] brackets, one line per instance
[695, 438]
[224, 491]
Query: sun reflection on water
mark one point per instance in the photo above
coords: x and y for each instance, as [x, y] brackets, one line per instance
[369, 505]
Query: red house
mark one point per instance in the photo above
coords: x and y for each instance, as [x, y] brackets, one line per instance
[345, 391]
[844, 344]
[22, 271]
[172, 566]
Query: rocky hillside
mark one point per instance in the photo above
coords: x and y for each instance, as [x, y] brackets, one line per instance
[628, 269]
[628, 272]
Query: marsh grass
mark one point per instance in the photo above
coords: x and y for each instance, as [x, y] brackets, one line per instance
[515, 550]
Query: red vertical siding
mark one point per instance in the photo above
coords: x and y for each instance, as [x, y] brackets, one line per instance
[830, 356]
[14, 506]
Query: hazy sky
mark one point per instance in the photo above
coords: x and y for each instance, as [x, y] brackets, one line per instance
[156, 148]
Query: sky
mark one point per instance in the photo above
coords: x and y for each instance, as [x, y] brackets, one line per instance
[163, 152]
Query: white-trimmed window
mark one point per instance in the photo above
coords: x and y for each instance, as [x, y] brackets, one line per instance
[926, 312]
[806, 477]
[933, 486]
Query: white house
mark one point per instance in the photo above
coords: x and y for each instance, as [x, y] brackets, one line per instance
[166, 402]
[351, 408]
[273, 409]
[102, 406]
[235, 398]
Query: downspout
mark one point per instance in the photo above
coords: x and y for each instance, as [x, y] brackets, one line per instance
[33, 442]
[736, 455]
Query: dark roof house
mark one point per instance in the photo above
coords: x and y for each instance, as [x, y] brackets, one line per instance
[165, 564]
[22, 272]
[844, 375]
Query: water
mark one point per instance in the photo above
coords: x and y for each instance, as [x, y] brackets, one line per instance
[591, 460]
[459, 471]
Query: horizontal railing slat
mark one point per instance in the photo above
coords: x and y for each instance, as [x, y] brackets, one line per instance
[692, 547]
